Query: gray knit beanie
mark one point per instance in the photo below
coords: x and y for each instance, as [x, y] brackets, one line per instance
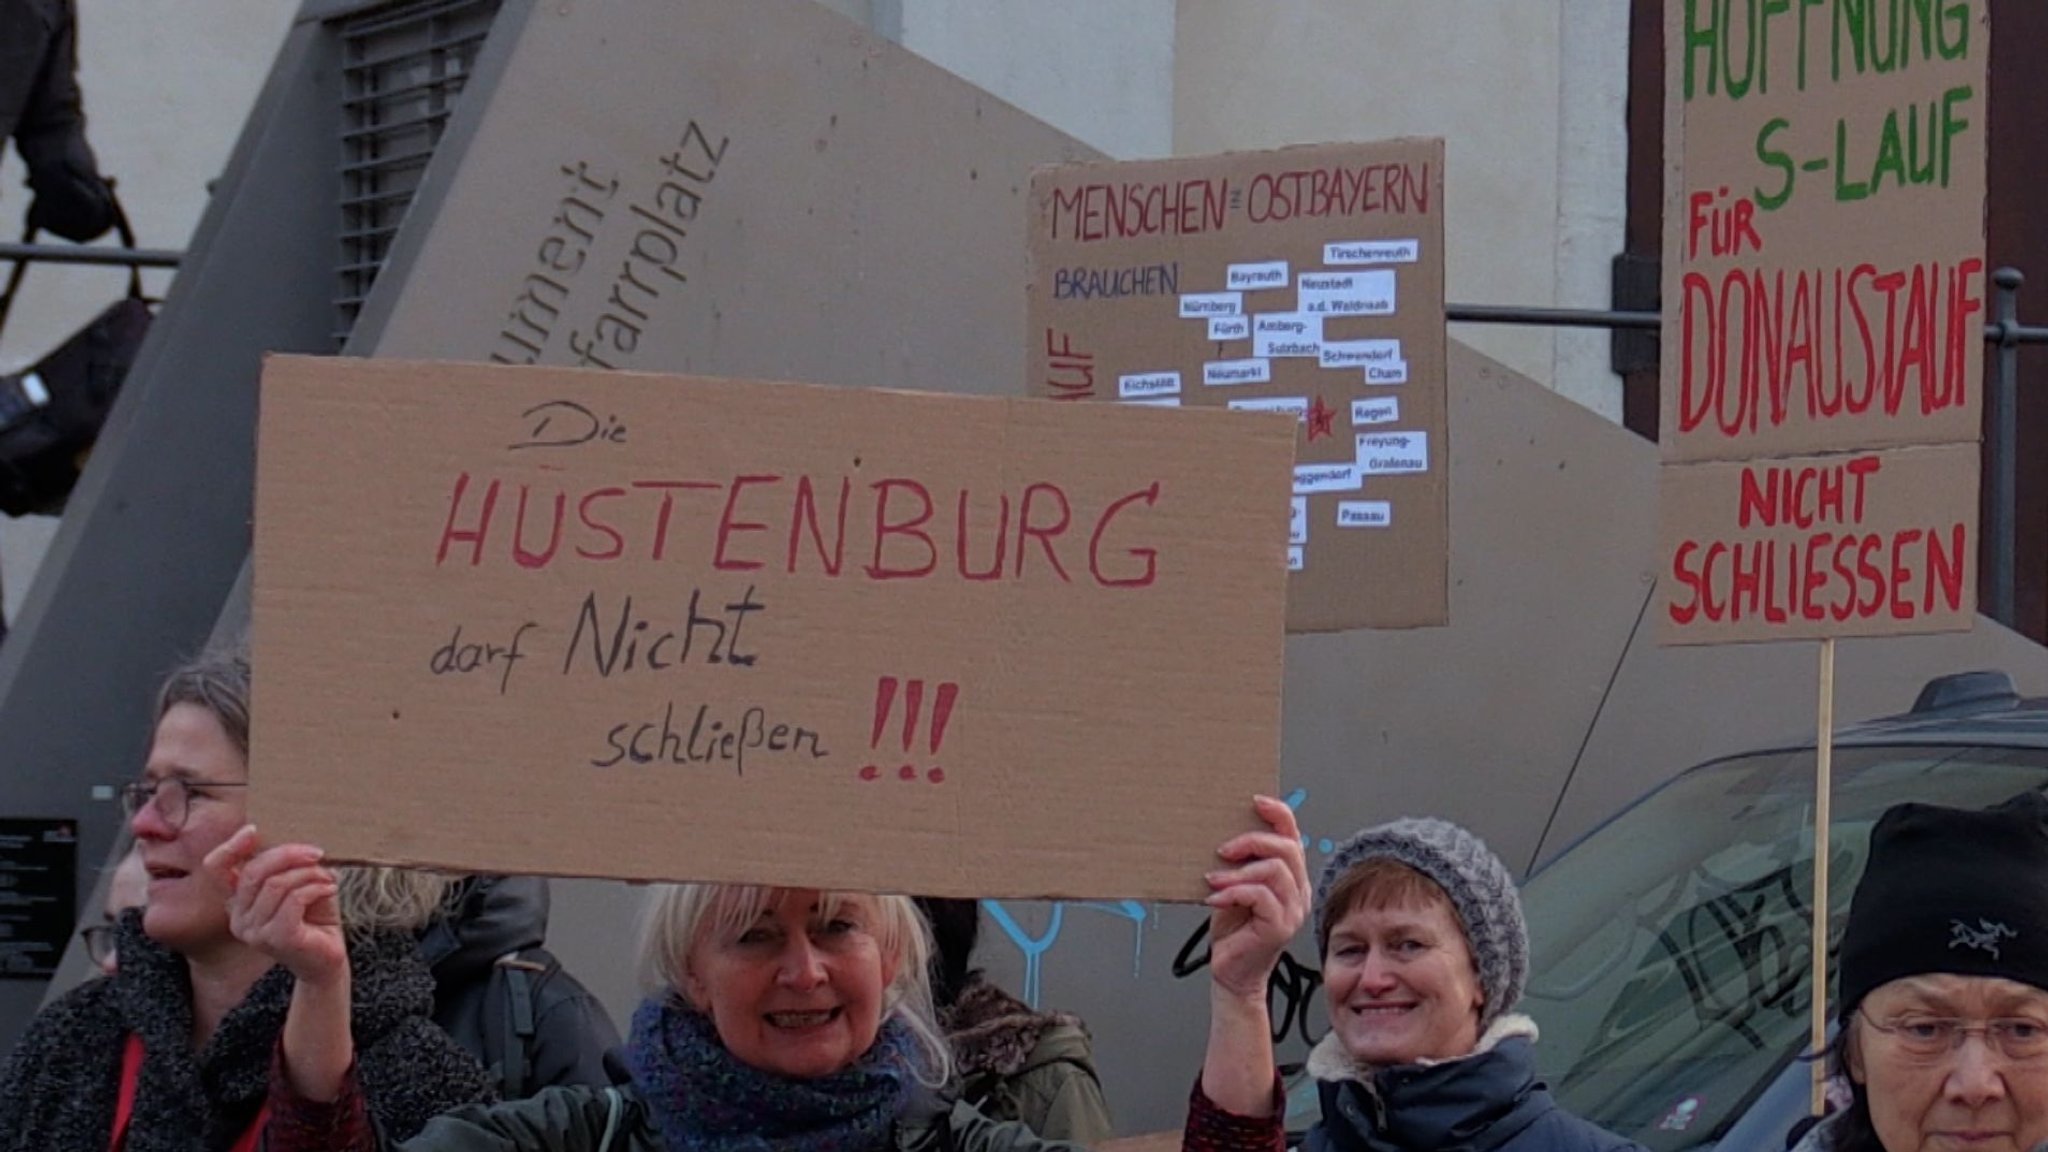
[1481, 889]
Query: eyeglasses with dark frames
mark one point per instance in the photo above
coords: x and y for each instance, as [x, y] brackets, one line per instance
[99, 943]
[172, 796]
[2017, 1038]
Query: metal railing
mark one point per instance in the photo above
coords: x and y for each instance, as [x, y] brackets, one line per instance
[2001, 397]
[2001, 379]
[81, 254]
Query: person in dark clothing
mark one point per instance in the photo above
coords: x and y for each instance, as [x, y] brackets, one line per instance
[506, 998]
[1014, 1063]
[42, 110]
[1943, 997]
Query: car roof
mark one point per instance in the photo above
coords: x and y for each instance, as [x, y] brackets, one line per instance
[1979, 708]
[1960, 708]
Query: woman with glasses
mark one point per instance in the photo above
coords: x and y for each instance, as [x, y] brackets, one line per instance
[127, 888]
[1944, 985]
[174, 1050]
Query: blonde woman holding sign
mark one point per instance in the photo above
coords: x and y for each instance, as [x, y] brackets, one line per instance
[789, 1019]
[792, 1020]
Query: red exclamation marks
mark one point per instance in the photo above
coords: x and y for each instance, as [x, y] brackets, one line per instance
[885, 699]
[913, 710]
[913, 702]
[942, 711]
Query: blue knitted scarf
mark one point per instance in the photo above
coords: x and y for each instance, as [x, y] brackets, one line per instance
[706, 1100]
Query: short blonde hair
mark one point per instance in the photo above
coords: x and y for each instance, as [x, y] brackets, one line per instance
[390, 899]
[678, 917]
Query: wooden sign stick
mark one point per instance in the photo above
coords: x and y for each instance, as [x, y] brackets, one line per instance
[1823, 795]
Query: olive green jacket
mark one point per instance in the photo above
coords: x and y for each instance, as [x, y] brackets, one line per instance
[1055, 1093]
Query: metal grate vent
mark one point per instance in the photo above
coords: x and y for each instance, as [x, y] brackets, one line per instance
[403, 65]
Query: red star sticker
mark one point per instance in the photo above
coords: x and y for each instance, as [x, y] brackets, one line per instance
[1321, 420]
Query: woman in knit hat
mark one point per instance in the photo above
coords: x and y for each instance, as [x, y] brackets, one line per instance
[1944, 984]
[1424, 953]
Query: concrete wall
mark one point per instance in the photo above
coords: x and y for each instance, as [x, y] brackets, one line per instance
[1592, 178]
[1102, 73]
[1529, 97]
[1537, 148]
[167, 87]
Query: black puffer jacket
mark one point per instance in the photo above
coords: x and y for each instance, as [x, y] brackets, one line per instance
[1489, 1101]
[61, 1083]
[579, 1120]
[506, 999]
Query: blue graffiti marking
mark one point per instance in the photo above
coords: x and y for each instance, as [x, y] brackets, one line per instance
[1034, 948]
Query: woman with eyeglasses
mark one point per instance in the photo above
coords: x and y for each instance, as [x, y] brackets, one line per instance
[174, 1051]
[1944, 985]
[127, 888]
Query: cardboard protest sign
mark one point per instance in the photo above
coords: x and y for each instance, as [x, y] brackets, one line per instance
[1824, 292]
[1306, 280]
[610, 624]
[1821, 542]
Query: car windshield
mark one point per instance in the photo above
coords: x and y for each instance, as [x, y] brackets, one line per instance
[1670, 948]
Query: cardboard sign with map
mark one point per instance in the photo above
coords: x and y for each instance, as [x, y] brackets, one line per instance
[512, 619]
[1824, 297]
[1306, 280]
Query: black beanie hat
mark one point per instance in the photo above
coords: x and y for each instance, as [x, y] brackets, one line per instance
[1950, 890]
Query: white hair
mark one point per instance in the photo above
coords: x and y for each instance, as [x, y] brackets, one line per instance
[678, 917]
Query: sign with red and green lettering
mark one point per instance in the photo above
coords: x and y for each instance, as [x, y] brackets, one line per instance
[1824, 290]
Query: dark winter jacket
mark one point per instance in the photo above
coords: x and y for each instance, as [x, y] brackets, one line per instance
[1831, 1134]
[505, 998]
[610, 1119]
[1489, 1101]
[1015, 1063]
[575, 1120]
[1817, 1137]
[62, 1080]
[41, 109]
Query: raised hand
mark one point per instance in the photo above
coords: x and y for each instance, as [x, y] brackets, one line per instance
[283, 903]
[1257, 901]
